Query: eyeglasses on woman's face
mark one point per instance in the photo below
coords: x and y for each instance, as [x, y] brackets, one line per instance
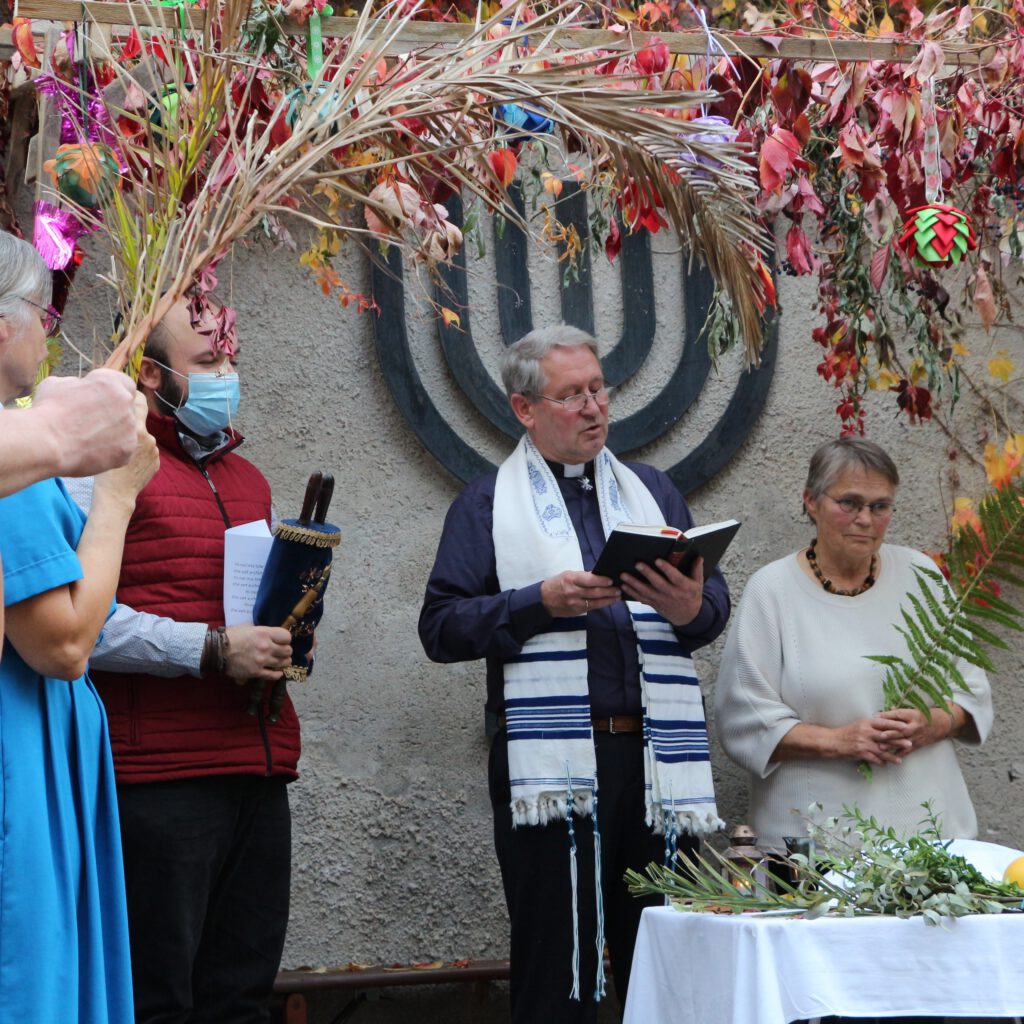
[577, 403]
[852, 506]
[50, 317]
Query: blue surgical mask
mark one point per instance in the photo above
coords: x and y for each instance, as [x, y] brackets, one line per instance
[211, 404]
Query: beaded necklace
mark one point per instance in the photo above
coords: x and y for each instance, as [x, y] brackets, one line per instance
[812, 561]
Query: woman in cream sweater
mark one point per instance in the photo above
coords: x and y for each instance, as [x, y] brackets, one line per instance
[797, 701]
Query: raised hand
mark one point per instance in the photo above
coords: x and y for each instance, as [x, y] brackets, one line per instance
[92, 421]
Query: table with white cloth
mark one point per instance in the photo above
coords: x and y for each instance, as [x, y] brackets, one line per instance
[704, 968]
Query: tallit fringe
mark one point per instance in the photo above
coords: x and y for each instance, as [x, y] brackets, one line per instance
[548, 807]
[697, 823]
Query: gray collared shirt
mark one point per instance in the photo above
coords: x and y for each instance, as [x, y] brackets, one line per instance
[134, 641]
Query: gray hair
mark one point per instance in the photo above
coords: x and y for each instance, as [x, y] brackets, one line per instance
[520, 365]
[23, 275]
[834, 457]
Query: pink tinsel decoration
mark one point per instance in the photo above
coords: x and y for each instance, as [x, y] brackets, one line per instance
[54, 233]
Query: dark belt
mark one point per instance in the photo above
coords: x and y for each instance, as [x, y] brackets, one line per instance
[616, 723]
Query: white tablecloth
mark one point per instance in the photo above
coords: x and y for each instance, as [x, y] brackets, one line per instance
[692, 968]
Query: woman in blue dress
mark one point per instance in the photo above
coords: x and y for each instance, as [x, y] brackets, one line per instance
[63, 923]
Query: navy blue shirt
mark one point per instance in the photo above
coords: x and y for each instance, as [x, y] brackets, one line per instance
[465, 616]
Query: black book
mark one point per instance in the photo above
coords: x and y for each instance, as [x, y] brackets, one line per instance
[630, 543]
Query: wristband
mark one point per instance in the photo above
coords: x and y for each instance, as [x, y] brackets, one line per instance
[215, 650]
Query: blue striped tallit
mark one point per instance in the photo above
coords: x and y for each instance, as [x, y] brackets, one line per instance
[547, 703]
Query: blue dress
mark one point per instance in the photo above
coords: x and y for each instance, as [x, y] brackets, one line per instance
[63, 919]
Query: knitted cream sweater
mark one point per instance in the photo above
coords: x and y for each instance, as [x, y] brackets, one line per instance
[795, 653]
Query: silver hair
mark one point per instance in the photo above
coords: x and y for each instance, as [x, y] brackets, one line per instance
[520, 365]
[23, 275]
[833, 458]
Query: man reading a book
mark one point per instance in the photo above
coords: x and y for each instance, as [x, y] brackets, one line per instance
[599, 757]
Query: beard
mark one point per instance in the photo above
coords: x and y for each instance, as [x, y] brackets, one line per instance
[170, 392]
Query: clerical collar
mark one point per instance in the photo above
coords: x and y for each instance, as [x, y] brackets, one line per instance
[582, 472]
[567, 472]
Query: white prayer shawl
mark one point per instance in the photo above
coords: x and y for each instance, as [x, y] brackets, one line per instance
[547, 703]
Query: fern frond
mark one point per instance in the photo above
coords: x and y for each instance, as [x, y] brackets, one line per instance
[941, 624]
[986, 611]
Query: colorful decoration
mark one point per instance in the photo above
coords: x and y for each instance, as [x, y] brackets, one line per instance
[54, 233]
[716, 131]
[270, 135]
[938, 234]
[83, 114]
[87, 173]
[306, 95]
[165, 111]
[521, 120]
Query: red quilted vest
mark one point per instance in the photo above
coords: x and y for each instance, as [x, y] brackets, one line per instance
[177, 728]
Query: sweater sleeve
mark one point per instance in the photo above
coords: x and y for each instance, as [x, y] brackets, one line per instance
[750, 716]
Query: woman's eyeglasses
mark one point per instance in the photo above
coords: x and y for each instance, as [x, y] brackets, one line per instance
[51, 318]
[852, 506]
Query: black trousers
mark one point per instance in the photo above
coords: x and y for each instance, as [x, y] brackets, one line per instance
[207, 870]
[534, 863]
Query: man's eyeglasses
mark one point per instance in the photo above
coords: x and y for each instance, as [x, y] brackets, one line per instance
[51, 318]
[852, 506]
[577, 403]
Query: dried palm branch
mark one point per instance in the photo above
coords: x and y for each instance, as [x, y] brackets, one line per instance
[252, 137]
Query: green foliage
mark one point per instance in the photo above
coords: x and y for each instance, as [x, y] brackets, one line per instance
[859, 868]
[944, 625]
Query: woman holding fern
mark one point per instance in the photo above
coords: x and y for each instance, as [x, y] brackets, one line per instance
[798, 699]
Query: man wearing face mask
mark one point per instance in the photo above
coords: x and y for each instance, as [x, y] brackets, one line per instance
[201, 783]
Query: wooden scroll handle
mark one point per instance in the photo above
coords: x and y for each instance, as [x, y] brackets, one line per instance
[309, 501]
[323, 501]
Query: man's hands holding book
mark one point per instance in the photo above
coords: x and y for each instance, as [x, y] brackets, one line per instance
[668, 591]
[671, 593]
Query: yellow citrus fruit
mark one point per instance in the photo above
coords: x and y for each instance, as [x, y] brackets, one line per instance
[1015, 872]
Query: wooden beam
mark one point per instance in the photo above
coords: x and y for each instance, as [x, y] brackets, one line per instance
[425, 33]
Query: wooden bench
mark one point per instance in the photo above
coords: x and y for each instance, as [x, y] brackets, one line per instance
[292, 987]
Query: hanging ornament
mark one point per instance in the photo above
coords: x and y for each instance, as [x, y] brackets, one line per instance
[938, 235]
[520, 120]
[54, 234]
[87, 173]
[328, 111]
[715, 131]
[163, 110]
[935, 234]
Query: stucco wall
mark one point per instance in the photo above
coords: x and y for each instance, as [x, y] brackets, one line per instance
[392, 834]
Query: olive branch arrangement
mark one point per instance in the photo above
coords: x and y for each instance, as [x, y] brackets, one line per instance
[946, 624]
[859, 868]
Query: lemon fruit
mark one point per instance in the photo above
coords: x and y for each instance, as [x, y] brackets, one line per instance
[1015, 872]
